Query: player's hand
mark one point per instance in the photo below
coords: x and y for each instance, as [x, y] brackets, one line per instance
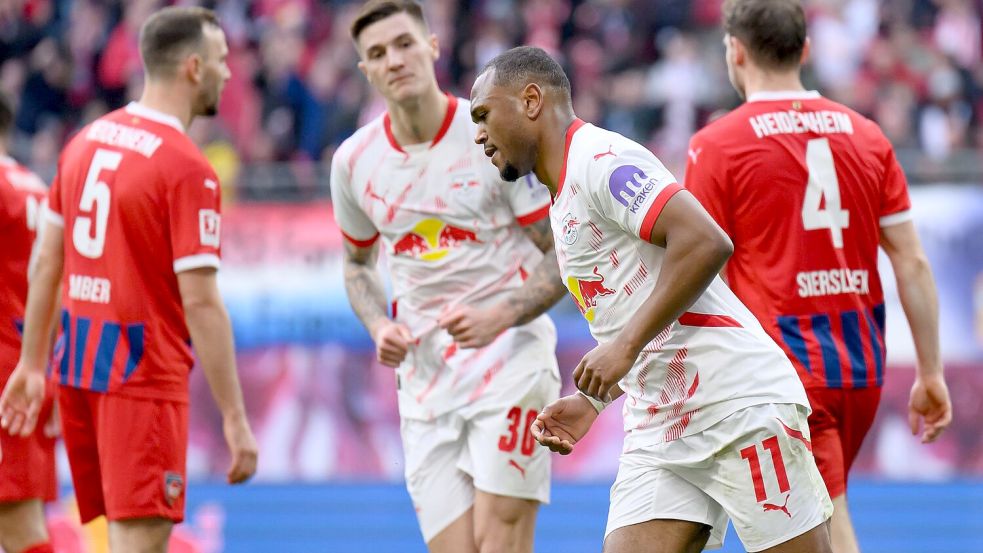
[602, 368]
[929, 402]
[471, 327]
[392, 342]
[242, 447]
[21, 401]
[563, 423]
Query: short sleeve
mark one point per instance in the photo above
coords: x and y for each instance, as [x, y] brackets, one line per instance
[53, 210]
[704, 181]
[895, 205]
[529, 199]
[355, 225]
[194, 205]
[631, 189]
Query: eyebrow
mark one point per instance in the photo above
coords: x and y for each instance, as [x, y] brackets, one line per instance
[384, 44]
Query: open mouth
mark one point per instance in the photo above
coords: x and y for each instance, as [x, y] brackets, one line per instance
[490, 151]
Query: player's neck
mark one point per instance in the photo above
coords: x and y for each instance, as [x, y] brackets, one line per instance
[166, 100]
[552, 148]
[771, 81]
[418, 120]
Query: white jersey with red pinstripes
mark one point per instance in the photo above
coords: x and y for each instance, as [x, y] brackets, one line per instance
[451, 229]
[715, 359]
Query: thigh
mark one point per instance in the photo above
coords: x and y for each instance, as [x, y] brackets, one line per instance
[441, 492]
[825, 426]
[765, 476]
[149, 535]
[646, 491]
[658, 536]
[142, 449]
[502, 455]
[78, 410]
[859, 410]
[28, 469]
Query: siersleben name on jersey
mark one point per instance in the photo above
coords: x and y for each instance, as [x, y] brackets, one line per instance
[832, 282]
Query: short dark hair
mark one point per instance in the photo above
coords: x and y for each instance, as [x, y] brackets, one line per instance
[525, 64]
[171, 32]
[6, 115]
[377, 10]
[774, 31]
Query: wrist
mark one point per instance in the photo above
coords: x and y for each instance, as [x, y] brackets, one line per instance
[597, 404]
[235, 415]
[376, 326]
[505, 315]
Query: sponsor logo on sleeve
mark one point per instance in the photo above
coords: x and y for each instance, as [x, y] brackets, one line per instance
[209, 227]
[630, 186]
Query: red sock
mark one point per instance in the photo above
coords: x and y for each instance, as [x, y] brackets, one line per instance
[40, 548]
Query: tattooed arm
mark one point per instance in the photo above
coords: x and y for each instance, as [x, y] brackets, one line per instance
[473, 328]
[368, 300]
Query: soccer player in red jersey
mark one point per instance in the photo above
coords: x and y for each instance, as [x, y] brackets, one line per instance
[807, 189]
[27, 473]
[133, 226]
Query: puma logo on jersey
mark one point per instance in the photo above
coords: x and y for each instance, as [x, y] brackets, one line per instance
[211, 185]
[783, 507]
[610, 152]
[518, 467]
[694, 154]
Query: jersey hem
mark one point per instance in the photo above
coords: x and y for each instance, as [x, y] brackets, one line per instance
[54, 218]
[197, 261]
[642, 438]
[645, 232]
[360, 243]
[896, 218]
[534, 217]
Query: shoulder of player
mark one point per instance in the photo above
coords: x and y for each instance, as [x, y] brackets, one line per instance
[726, 127]
[18, 179]
[359, 140]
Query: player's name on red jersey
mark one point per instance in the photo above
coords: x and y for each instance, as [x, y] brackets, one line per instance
[799, 122]
[124, 136]
[832, 282]
[87, 288]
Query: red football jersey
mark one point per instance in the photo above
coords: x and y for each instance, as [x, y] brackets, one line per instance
[139, 204]
[803, 185]
[21, 195]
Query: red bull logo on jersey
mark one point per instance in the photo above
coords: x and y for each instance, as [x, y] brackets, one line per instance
[586, 291]
[432, 239]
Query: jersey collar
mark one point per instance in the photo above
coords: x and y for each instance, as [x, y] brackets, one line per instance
[573, 128]
[140, 110]
[444, 126]
[775, 95]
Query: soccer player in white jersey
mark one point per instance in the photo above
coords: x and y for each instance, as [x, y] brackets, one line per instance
[714, 413]
[474, 359]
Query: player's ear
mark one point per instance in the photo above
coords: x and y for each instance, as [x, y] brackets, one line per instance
[532, 100]
[435, 46]
[738, 51]
[806, 51]
[362, 68]
[193, 67]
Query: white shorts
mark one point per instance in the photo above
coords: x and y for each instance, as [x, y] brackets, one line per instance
[755, 467]
[486, 446]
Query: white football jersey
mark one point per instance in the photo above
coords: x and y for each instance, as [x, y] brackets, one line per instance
[452, 230]
[715, 359]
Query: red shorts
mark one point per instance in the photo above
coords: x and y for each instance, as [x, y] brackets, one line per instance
[28, 467]
[839, 422]
[127, 455]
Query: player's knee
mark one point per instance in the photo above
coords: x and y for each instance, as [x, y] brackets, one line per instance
[506, 526]
[22, 525]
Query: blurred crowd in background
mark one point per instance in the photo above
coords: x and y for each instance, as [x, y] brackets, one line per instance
[650, 69]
